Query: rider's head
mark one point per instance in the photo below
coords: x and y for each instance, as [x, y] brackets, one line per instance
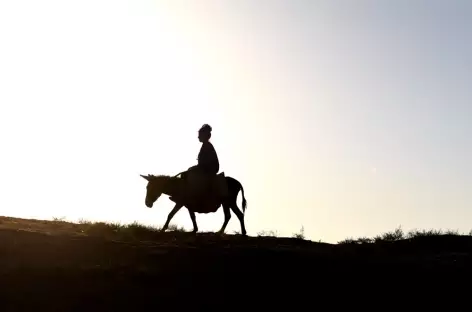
[204, 134]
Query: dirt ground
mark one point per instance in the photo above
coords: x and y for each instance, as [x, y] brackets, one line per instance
[58, 266]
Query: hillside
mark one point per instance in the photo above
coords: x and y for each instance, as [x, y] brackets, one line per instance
[60, 266]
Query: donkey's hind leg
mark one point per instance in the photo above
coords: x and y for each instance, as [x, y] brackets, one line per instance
[227, 213]
[240, 215]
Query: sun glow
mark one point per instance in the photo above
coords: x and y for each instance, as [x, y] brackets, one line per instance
[95, 93]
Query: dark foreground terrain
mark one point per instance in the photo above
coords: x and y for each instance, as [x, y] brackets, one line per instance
[59, 266]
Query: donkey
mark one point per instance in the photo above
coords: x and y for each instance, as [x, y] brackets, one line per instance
[172, 186]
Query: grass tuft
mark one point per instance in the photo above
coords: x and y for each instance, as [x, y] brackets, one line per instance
[398, 234]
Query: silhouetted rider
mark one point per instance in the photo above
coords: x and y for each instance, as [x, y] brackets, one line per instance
[207, 158]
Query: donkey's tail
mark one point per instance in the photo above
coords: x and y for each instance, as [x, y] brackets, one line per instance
[244, 198]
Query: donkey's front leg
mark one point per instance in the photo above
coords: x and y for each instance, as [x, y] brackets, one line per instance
[171, 215]
[194, 221]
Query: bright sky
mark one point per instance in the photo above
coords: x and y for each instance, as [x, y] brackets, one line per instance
[349, 118]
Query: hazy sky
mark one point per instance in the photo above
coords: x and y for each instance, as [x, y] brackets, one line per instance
[349, 118]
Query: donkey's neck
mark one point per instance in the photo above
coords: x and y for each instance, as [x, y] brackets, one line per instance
[170, 186]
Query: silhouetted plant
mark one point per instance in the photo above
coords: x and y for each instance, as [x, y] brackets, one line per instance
[300, 235]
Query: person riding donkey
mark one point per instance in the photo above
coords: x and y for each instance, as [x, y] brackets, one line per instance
[201, 178]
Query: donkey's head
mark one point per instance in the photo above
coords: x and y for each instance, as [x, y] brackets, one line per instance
[154, 188]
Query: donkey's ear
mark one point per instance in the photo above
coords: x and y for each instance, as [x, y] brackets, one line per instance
[145, 177]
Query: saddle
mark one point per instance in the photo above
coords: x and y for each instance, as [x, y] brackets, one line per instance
[203, 193]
